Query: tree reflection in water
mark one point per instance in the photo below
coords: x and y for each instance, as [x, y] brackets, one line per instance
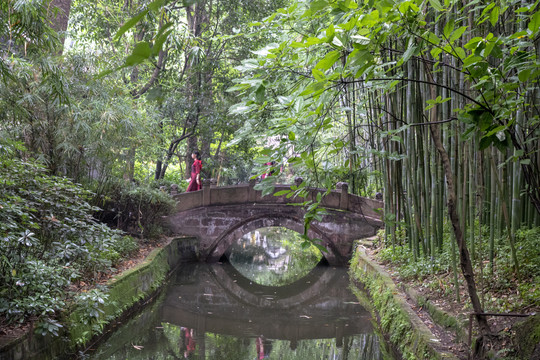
[212, 311]
[273, 256]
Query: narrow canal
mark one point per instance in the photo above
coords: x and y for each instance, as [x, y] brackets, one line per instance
[270, 298]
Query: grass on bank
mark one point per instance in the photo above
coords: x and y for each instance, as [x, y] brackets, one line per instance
[501, 289]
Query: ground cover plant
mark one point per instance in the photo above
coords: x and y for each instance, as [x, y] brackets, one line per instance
[501, 289]
[49, 240]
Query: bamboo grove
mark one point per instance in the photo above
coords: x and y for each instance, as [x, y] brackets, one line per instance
[433, 104]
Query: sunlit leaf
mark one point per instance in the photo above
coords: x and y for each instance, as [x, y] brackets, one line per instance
[292, 136]
[436, 5]
[534, 23]
[329, 60]
[494, 17]
[359, 39]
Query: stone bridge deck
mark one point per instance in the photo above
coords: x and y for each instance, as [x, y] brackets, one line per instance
[220, 215]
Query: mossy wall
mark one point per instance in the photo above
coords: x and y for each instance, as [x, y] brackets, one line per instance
[129, 288]
[528, 338]
[126, 290]
[405, 331]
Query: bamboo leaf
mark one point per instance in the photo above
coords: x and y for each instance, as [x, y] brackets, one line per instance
[487, 8]
[158, 43]
[321, 248]
[129, 24]
[408, 53]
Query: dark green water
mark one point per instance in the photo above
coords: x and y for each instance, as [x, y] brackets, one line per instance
[219, 311]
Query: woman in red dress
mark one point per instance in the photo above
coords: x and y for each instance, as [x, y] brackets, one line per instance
[195, 182]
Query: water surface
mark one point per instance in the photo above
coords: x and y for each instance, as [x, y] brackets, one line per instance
[221, 311]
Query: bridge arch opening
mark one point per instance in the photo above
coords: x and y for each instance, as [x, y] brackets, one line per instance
[222, 244]
[286, 296]
[272, 256]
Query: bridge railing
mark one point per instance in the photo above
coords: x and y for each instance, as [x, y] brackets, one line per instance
[338, 199]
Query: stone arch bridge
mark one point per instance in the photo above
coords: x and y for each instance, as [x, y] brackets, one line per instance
[218, 216]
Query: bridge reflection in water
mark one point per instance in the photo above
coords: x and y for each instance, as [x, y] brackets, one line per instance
[213, 311]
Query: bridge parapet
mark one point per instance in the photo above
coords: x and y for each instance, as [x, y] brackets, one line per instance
[338, 199]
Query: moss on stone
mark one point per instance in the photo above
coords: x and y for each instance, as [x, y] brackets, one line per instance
[439, 316]
[528, 338]
[127, 289]
[402, 326]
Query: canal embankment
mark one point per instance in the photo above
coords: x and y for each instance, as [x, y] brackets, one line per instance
[399, 323]
[127, 292]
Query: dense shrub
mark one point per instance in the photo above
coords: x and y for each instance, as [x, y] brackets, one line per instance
[48, 238]
[136, 209]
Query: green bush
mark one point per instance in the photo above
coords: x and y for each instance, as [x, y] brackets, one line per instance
[528, 252]
[402, 257]
[48, 238]
[136, 209]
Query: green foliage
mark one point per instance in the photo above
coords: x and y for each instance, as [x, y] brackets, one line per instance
[402, 258]
[49, 239]
[137, 209]
[26, 31]
[504, 280]
[48, 326]
[393, 317]
[88, 305]
[504, 290]
[528, 252]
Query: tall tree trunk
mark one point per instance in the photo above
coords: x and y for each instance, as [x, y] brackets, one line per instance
[59, 14]
[464, 257]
